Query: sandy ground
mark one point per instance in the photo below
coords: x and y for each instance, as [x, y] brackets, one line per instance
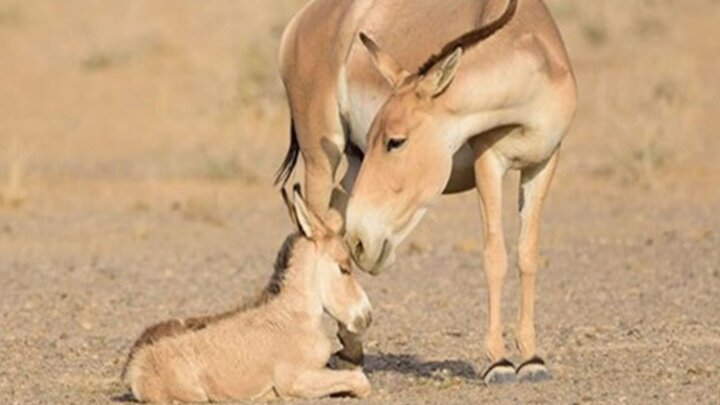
[137, 142]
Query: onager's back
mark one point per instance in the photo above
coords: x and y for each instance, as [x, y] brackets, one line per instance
[275, 348]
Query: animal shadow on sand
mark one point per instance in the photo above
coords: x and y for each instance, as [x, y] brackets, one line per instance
[405, 364]
[126, 398]
[408, 364]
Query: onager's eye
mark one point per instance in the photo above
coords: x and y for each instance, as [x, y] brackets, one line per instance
[345, 269]
[395, 143]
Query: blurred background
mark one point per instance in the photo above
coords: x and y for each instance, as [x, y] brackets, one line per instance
[186, 89]
[139, 139]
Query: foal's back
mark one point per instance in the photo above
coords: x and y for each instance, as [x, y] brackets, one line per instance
[230, 358]
[277, 347]
[204, 365]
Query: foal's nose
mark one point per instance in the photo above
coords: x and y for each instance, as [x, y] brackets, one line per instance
[368, 318]
[362, 323]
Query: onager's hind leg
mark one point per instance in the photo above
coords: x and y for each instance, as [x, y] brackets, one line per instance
[351, 355]
[324, 382]
[341, 195]
[489, 173]
[534, 185]
[320, 173]
[322, 140]
[321, 163]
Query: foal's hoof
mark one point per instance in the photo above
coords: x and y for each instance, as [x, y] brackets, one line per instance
[340, 361]
[533, 371]
[501, 372]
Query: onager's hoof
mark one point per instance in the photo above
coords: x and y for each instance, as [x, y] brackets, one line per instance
[533, 371]
[341, 361]
[501, 372]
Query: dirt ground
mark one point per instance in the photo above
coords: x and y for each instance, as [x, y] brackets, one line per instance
[137, 144]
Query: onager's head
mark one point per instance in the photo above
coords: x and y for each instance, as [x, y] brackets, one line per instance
[327, 257]
[408, 161]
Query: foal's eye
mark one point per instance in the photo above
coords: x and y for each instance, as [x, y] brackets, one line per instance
[395, 143]
[345, 270]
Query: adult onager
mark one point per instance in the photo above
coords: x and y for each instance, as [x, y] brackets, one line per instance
[447, 96]
[276, 348]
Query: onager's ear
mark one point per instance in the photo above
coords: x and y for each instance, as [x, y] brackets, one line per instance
[439, 77]
[386, 64]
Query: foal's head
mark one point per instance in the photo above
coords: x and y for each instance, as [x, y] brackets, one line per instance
[322, 251]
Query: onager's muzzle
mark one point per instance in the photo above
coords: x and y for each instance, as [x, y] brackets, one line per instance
[370, 257]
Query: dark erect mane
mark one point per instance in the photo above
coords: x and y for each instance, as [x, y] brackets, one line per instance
[282, 264]
[471, 38]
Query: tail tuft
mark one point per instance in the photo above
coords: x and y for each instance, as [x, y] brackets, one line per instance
[288, 166]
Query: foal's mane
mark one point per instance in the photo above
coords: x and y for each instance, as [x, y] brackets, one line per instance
[471, 38]
[282, 264]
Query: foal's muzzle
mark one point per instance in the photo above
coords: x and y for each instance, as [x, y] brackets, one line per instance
[361, 323]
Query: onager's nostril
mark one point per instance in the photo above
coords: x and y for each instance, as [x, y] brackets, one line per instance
[358, 249]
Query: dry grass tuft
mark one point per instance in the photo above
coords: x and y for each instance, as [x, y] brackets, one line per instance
[643, 164]
[258, 82]
[106, 58]
[14, 194]
[595, 33]
[204, 210]
[225, 167]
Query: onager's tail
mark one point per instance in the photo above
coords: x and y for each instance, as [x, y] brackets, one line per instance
[291, 159]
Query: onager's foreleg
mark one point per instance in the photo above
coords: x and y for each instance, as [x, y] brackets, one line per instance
[534, 184]
[489, 173]
[324, 382]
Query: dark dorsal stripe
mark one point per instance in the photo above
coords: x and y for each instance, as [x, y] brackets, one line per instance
[470, 39]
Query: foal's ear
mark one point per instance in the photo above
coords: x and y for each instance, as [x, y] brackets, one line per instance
[386, 64]
[304, 219]
[439, 77]
[289, 205]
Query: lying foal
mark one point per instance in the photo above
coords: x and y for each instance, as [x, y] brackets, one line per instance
[276, 348]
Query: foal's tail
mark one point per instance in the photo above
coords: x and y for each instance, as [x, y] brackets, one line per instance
[288, 165]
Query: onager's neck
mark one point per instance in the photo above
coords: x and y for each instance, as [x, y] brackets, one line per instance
[483, 97]
[466, 126]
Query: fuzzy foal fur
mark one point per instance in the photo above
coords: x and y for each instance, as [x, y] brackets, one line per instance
[272, 347]
[176, 327]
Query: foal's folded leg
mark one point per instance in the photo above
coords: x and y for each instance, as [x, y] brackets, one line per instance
[320, 383]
